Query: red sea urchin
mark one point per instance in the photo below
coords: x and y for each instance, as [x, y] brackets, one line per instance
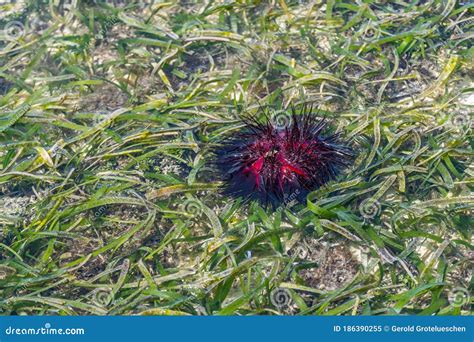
[271, 163]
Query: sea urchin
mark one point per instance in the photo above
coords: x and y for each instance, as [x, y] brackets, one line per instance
[271, 163]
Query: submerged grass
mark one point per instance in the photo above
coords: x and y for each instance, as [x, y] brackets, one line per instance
[110, 204]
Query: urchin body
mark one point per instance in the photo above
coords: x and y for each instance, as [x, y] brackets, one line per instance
[271, 163]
